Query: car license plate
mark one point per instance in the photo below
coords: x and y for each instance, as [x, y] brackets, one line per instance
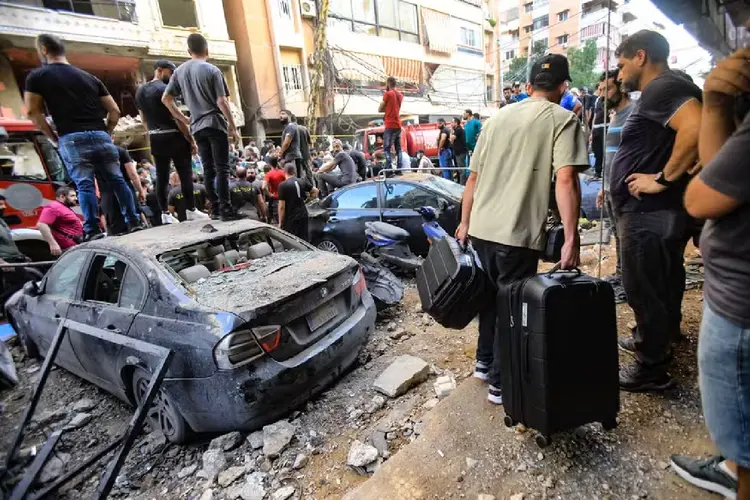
[322, 315]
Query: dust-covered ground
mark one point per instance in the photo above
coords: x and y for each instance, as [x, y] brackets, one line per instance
[629, 462]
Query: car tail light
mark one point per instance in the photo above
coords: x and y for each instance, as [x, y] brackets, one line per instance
[268, 336]
[237, 349]
[359, 282]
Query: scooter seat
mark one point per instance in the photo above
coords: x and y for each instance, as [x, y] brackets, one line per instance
[389, 230]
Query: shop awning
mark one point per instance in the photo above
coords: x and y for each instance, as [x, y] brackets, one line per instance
[440, 35]
[357, 66]
[405, 70]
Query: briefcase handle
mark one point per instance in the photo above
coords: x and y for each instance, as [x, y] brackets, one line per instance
[556, 269]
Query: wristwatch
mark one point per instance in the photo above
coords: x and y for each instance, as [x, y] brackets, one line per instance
[661, 179]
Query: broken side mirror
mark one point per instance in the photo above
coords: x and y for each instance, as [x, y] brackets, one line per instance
[32, 289]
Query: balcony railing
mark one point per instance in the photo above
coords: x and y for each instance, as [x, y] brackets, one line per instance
[122, 10]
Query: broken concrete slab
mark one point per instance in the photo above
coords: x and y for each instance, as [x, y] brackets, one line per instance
[405, 372]
[78, 421]
[187, 471]
[283, 493]
[255, 439]
[207, 495]
[214, 462]
[227, 442]
[444, 386]
[485, 496]
[380, 443]
[230, 475]
[253, 488]
[276, 437]
[361, 454]
[54, 467]
[300, 461]
[376, 403]
[83, 405]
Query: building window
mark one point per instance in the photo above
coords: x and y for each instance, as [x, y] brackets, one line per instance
[469, 37]
[510, 15]
[178, 13]
[540, 3]
[292, 78]
[562, 16]
[528, 7]
[285, 9]
[541, 22]
[123, 10]
[515, 35]
[527, 29]
[593, 31]
[385, 18]
[562, 39]
[511, 54]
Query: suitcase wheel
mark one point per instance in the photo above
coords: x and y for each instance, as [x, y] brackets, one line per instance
[542, 441]
[509, 422]
[609, 424]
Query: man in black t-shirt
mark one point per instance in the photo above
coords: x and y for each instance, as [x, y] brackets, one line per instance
[78, 103]
[649, 173]
[245, 197]
[345, 163]
[293, 193]
[290, 149]
[304, 148]
[359, 160]
[176, 198]
[458, 143]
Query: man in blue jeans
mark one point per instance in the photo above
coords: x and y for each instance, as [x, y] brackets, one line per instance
[78, 103]
[391, 106]
[445, 153]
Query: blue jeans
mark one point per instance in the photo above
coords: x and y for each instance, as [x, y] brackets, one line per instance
[445, 161]
[392, 137]
[92, 154]
[724, 378]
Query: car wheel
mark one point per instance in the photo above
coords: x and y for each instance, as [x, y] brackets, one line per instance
[330, 245]
[163, 414]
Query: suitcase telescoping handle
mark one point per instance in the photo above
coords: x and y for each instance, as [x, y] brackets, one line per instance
[556, 269]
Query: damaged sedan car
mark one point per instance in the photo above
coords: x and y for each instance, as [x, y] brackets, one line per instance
[259, 320]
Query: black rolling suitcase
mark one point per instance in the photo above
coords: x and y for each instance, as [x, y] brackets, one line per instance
[452, 287]
[560, 364]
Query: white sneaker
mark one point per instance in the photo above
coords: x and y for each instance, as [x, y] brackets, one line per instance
[167, 218]
[196, 214]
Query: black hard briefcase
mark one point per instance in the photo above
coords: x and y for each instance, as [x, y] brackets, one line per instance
[560, 363]
[452, 287]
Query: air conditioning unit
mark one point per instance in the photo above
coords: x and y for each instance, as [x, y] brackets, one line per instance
[307, 8]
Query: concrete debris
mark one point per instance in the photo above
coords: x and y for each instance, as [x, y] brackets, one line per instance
[227, 442]
[405, 372]
[397, 334]
[471, 463]
[361, 454]
[276, 437]
[391, 326]
[376, 403]
[207, 495]
[283, 493]
[517, 496]
[380, 443]
[300, 461]
[152, 442]
[83, 405]
[430, 403]
[214, 462]
[485, 496]
[230, 475]
[266, 465]
[187, 471]
[373, 467]
[54, 467]
[50, 417]
[444, 386]
[662, 465]
[253, 488]
[540, 456]
[78, 421]
[255, 440]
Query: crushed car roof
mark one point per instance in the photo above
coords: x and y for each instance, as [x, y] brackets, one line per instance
[157, 240]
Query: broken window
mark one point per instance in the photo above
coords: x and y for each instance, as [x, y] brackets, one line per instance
[112, 281]
[20, 160]
[63, 277]
[178, 13]
[124, 10]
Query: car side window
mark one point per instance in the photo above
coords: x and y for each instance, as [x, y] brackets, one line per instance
[358, 197]
[20, 160]
[63, 277]
[402, 195]
[112, 281]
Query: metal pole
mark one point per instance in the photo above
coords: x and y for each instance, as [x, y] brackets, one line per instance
[604, 137]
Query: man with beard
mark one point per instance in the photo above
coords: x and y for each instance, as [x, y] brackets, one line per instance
[246, 198]
[622, 105]
[60, 226]
[290, 145]
[659, 145]
[171, 141]
[391, 107]
[345, 163]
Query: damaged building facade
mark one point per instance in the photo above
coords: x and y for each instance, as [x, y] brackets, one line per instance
[116, 40]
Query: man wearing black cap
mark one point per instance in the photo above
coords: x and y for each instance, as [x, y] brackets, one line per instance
[517, 154]
[171, 141]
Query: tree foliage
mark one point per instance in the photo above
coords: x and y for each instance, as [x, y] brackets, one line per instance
[519, 66]
[582, 61]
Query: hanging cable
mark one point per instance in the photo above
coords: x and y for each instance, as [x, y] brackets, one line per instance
[604, 137]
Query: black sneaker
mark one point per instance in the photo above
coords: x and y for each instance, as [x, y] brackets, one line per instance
[482, 371]
[231, 215]
[705, 474]
[136, 226]
[215, 216]
[93, 235]
[495, 395]
[636, 378]
[627, 344]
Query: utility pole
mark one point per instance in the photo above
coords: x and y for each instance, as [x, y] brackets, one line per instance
[319, 56]
[528, 58]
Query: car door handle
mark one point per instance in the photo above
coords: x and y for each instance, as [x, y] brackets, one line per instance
[113, 329]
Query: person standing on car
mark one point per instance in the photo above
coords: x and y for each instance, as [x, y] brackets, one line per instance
[293, 193]
[391, 106]
[60, 226]
[78, 103]
[507, 198]
[445, 156]
[171, 141]
[345, 163]
[205, 92]
[458, 144]
[290, 145]
[649, 175]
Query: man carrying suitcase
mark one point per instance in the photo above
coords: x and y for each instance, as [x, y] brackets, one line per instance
[507, 197]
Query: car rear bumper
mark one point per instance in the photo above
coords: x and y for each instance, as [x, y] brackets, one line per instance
[261, 392]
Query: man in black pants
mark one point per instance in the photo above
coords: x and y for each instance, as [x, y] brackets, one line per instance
[293, 193]
[514, 180]
[205, 92]
[171, 141]
[649, 174]
[290, 141]
[348, 174]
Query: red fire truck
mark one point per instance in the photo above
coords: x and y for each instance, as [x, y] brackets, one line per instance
[413, 138]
